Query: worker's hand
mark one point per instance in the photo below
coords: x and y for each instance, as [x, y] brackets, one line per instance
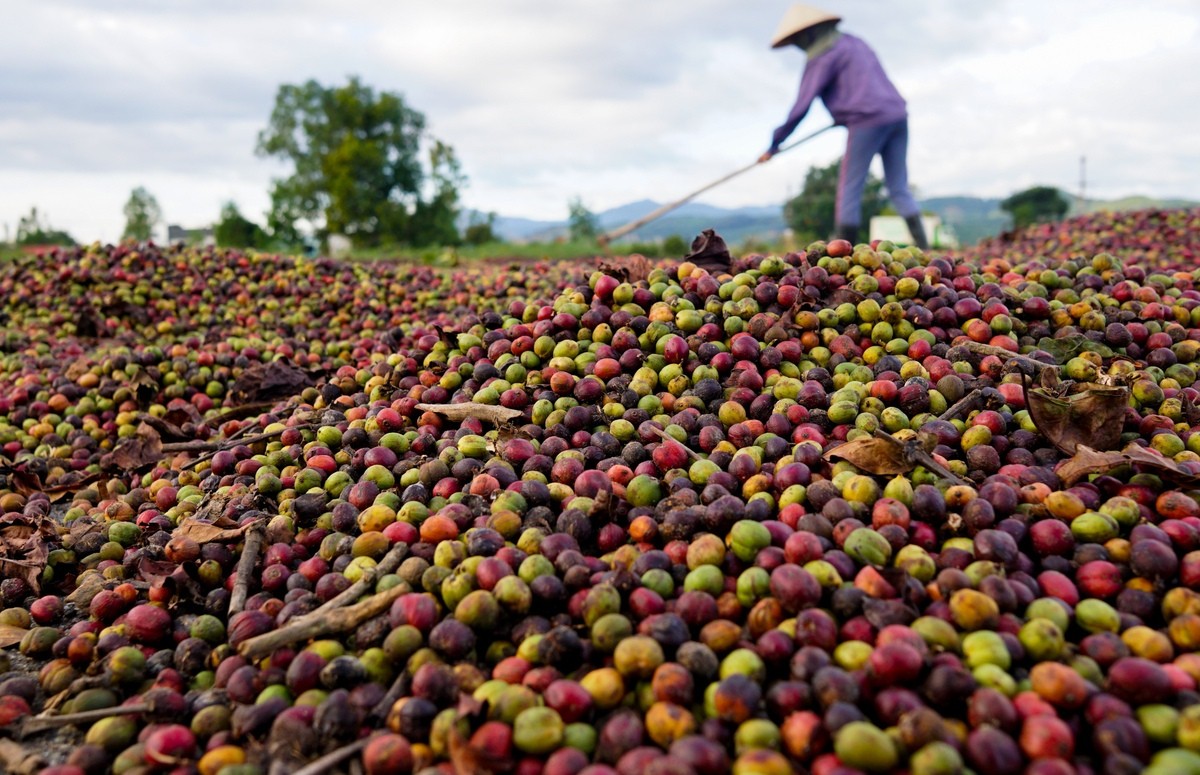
[765, 157]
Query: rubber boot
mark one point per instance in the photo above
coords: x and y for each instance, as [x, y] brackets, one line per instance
[848, 232]
[917, 229]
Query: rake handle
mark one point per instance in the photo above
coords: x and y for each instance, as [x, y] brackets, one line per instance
[664, 209]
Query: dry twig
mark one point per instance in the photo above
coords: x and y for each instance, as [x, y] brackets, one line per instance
[330, 760]
[885, 455]
[37, 724]
[216, 446]
[389, 563]
[336, 621]
[245, 567]
[19, 761]
[668, 437]
[1032, 364]
[979, 398]
[497, 415]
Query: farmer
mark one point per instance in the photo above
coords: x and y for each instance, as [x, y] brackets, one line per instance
[845, 73]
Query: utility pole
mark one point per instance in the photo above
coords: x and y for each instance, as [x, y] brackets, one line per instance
[1082, 184]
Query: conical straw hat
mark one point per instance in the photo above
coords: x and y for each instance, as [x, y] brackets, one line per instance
[800, 17]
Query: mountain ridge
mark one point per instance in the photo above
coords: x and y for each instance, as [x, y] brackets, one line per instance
[972, 218]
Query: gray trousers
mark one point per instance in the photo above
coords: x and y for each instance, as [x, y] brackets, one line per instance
[890, 142]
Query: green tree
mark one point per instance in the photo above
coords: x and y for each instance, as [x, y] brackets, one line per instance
[32, 229]
[142, 214]
[356, 166]
[582, 224]
[648, 249]
[234, 230]
[435, 219]
[481, 229]
[1035, 205]
[675, 246]
[811, 213]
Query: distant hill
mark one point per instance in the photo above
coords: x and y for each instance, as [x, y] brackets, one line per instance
[1132, 203]
[734, 224]
[520, 229]
[507, 227]
[972, 219]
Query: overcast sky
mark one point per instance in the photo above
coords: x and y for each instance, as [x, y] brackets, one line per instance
[611, 101]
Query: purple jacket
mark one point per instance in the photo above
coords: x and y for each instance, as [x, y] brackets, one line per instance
[850, 81]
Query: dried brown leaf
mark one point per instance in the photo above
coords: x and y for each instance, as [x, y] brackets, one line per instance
[601, 505]
[1072, 414]
[471, 760]
[91, 323]
[25, 544]
[14, 535]
[17, 760]
[155, 572]
[465, 758]
[10, 635]
[144, 448]
[631, 269]
[1163, 466]
[448, 336]
[178, 424]
[145, 387]
[507, 434]
[1087, 461]
[85, 527]
[496, 415]
[1191, 412]
[206, 532]
[87, 586]
[844, 296]
[69, 484]
[212, 509]
[24, 481]
[16, 522]
[709, 252]
[29, 570]
[884, 455]
[833, 299]
[78, 368]
[875, 455]
[262, 381]
[1051, 382]
[224, 521]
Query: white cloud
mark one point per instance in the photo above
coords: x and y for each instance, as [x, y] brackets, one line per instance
[610, 101]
